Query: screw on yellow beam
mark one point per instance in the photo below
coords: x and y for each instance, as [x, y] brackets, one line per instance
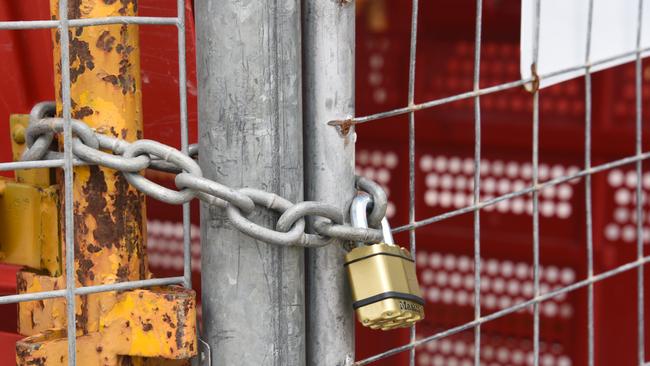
[36, 177]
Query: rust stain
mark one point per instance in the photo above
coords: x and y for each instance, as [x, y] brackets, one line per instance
[82, 112]
[123, 274]
[93, 248]
[21, 283]
[536, 79]
[167, 319]
[105, 41]
[125, 77]
[82, 318]
[110, 79]
[124, 10]
[106, 233]
[343, 126]
[128, 205]
[74, 9]
[84, 270]
[80, 58]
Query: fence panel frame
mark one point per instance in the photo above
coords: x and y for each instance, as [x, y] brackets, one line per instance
[328, 74]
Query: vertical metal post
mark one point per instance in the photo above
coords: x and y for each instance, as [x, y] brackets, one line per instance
[588, 195]
[250, 135]
[535, 182]
[97, 80]
[411, 101]
[182, 92]
[105, 93]
[328, 69]
[68, 181]
[638, 83]
[477, 181]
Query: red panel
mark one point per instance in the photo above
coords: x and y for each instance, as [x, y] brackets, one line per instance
[8, 315]
[444, 172]
[26, 66]
[8, 348]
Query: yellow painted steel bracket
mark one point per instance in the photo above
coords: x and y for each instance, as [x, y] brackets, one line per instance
[159, 323]
[140, 327]
[29, 206]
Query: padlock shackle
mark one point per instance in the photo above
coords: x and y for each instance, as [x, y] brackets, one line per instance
[385, 230]
[359, 217]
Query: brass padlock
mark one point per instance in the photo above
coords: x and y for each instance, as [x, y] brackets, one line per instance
[385, 290]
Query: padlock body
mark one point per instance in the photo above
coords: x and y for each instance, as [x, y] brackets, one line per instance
[385, 289]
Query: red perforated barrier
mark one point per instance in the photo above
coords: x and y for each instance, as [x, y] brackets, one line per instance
[444, 182]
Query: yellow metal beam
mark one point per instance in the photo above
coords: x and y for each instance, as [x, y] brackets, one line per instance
[147, 327]
[20, 225]
[29, 220]
[158, 324]
[106, 95]
[105, 92]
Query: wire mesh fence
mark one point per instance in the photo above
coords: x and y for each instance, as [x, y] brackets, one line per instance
[539, 293]
[478, 203]
[64, 25]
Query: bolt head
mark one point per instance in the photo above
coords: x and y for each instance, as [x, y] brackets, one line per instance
[18, 135]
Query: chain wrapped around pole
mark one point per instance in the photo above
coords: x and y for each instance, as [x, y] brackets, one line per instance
[93, 148]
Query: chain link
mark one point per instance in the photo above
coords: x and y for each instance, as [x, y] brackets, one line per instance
[94, 148]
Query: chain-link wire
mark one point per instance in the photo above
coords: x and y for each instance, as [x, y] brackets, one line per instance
[91, 147]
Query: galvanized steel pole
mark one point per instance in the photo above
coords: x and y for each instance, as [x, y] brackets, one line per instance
[328, 74]
[250, 135]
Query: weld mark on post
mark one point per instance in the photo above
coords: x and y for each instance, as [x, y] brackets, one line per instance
[343, 126]
[534, 86]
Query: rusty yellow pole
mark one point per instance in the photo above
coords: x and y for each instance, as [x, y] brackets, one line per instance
[106, 95]
[140, 327]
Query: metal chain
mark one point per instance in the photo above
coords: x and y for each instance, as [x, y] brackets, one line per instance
[91, 147]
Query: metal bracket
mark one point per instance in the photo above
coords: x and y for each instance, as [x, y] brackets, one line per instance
[205, 354]
[29, 212]
[159, 322]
